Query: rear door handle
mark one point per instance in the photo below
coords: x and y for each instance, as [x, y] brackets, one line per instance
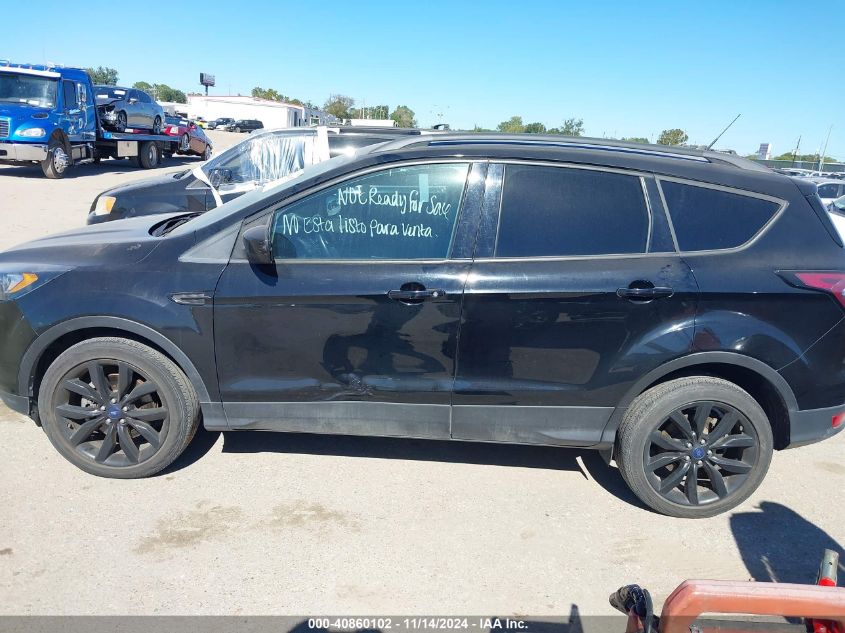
[415, 295]
[645, 294]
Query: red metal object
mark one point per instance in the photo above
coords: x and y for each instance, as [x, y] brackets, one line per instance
[694, 598]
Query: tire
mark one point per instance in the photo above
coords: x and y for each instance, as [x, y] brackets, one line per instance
[206, 154]
[238, 130]
[57, 162]
[157, 125]
[168, 416]
[149, 155]
[185, 143]
[120, 126]
[726, 441]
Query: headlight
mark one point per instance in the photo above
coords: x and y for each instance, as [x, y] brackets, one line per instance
[32, 132]
[104, 205]
[10, 283]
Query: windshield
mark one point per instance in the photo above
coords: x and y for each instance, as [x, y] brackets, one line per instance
[108, 93]
[36, 91]
[232, 207]
[266, 157]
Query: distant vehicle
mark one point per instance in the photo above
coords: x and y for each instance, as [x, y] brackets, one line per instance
[220, 123]
[192, 140]
[122, 108]
[245, 125]
[201, 122]
[829, 190]
[49, 117]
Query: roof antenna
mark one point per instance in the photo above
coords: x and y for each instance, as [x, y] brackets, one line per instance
[723, 131]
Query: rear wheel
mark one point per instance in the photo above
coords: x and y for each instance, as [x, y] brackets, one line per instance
[157, 125]
[148, 154]
[185, 143]
[694, 447]
[117, 408]
[57, 161]
[206, 154]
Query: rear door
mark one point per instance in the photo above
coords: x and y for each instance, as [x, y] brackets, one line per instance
[576, 292]
[355, 327]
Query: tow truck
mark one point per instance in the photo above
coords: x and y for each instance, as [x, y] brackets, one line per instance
[48, 116]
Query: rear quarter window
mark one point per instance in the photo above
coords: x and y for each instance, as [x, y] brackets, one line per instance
[712, 219]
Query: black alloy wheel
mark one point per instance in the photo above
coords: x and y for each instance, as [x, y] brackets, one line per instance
[701, 453]
[113, 414]
[120, 126]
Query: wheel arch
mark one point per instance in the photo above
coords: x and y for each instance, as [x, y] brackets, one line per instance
[761, 381]
[60, 135]
[49, 345]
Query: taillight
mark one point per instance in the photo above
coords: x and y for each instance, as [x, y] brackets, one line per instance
[837, 420]
[831, 282]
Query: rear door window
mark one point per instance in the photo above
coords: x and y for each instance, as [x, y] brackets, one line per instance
[560, 211]
[706, 219]
[829, 190]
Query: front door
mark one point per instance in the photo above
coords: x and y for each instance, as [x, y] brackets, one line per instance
[575, 294]
[354, 329]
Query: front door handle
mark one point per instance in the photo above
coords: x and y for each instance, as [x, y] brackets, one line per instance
[415, 295]
[644, 294]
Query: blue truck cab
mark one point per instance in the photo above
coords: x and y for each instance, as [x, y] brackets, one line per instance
[48, 116]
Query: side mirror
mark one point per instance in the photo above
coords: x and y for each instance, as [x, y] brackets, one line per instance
[219, 177]
[259, 249]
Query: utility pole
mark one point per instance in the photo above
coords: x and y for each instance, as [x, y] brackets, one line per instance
[795, 151]
[824, 151]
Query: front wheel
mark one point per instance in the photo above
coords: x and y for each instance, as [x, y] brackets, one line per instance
[117, 408]
[57, 161]
[694, 447]
[238, 130]
[120, 126]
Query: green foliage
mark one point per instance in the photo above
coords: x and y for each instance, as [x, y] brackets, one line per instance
[807, 158]
[161, 92]
[103, 76]
[635, 139]
[572, 127]
[372, 112]
[535, 128]
[340, 106]
[513, 125]
[675, 136]
[478, 128]
[404, 116]
[271, 94]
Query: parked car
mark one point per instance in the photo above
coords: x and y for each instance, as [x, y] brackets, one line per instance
[265, 156]
[649, 303]
[122, 108]
[220, 123]
[192, 140]
[201, 122]
[829, 190]
[244, 125]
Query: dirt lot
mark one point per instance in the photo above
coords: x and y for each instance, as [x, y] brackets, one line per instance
[255, 523]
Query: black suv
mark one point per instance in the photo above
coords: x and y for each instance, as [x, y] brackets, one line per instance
[681, 311]
[244, 125]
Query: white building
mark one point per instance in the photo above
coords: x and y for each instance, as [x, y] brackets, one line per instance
[273, 114]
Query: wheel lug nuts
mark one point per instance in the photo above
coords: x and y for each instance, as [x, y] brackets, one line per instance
[125, 409]
[102, 408]
[709, 452]
[686, 458]
[689, 445]
[122, 421]
[703, 441]
[698, 463]
[113, 400]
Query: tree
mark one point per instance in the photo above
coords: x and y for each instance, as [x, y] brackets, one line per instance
[373, 112]
[340, 106]
[513, 125]
[478, 128]
[805, 158]
[404, 116]
[675, 136]
[635, 139]
[161, 92]
[143, 85]
[534, 128]
[103, 75]
[572, 127]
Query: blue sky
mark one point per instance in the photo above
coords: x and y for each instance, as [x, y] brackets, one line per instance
[626, 68]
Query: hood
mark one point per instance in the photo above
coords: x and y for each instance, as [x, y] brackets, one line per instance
[22, 110]
[181, 177]
[123, 243]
